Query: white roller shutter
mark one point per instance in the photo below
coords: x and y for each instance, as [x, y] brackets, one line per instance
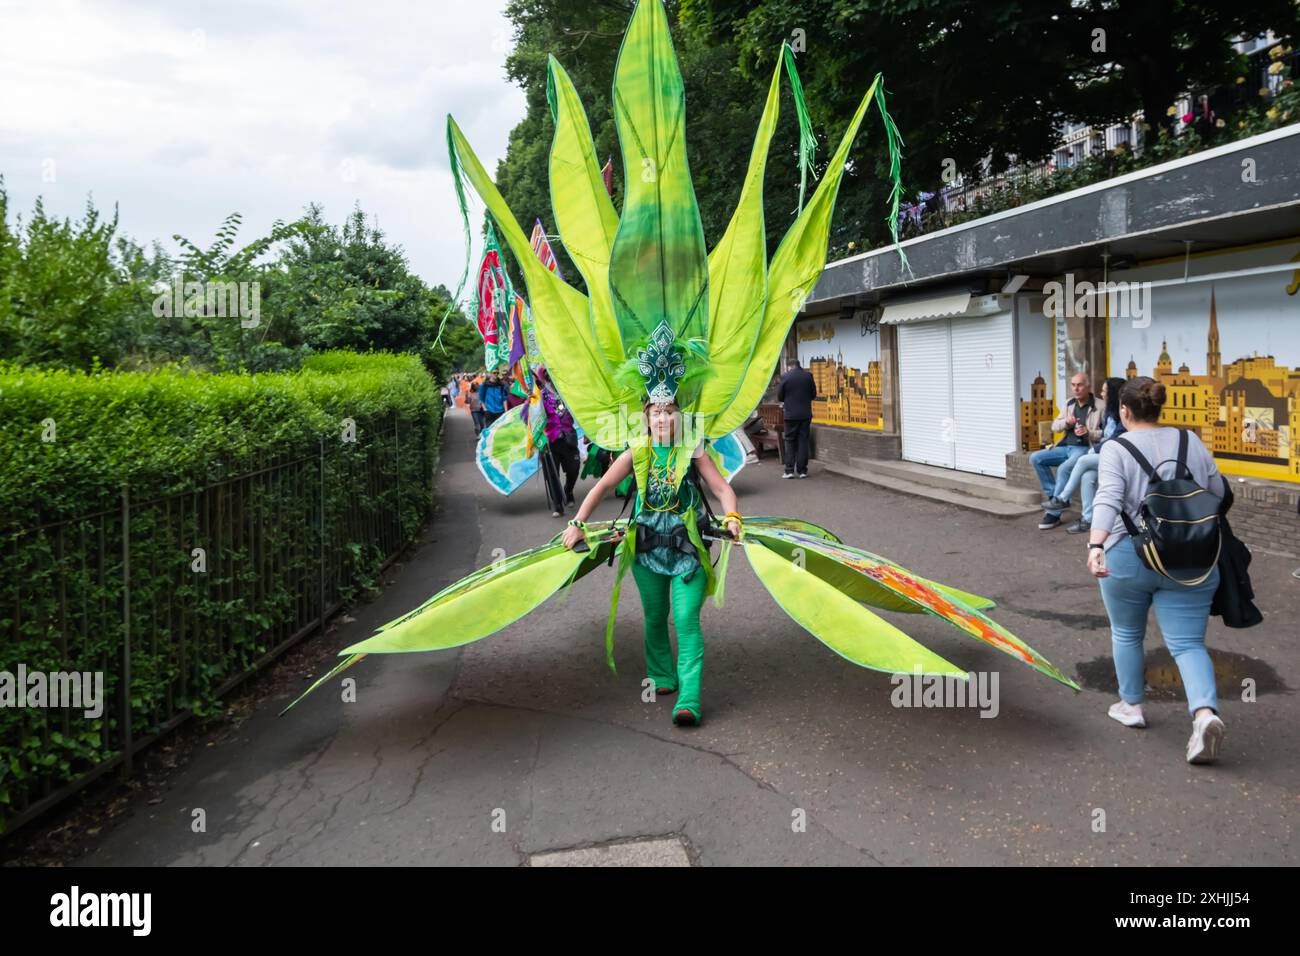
[925, 393]
[984, 396]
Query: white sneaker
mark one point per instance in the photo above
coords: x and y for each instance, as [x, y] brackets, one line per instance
[1130, 715]
[1207, 736]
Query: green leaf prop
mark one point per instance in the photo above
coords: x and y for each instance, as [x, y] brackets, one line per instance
[658, 270]
[840, 622]
[584, 214]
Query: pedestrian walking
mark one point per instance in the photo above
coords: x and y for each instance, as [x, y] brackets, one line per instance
[562, 439]
[1129, 588]
[476, 408]
[493, 396]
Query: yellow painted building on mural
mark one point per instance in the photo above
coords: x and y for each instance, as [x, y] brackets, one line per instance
[1039, 408]
[1247, 413]
[846, 395]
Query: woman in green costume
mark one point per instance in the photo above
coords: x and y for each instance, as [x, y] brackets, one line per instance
[669, 564]
[693, 330]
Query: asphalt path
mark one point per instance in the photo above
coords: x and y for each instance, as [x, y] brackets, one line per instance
[525, 743]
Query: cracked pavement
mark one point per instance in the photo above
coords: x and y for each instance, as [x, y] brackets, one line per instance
[529, 730]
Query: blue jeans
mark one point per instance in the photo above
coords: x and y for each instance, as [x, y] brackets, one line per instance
[1047, 459]
[1081, 473]
[1087, 483]
[1182, 613]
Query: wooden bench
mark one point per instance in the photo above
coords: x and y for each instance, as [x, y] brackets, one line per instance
[772, 433]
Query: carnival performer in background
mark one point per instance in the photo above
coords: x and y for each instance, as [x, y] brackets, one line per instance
[561, 450]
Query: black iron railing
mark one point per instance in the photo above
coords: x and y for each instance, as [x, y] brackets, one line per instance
[176, 599]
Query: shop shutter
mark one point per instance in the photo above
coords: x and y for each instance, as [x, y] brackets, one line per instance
[984, 394]
[925, 393]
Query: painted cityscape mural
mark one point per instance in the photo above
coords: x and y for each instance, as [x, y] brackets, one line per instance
[843, 356]
[1036, 358]
[1228, 354]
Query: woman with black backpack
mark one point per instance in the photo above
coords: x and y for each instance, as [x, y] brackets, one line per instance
[1166, 558]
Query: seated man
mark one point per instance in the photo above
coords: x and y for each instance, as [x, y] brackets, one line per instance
[1081, 422]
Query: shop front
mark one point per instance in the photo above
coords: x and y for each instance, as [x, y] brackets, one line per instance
[958, 380]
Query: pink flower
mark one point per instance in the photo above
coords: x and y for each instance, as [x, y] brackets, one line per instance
[1187, 117]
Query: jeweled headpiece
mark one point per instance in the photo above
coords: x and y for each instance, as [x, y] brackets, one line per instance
[662, 364]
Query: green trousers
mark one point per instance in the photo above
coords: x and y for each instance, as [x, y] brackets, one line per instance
[658, 592]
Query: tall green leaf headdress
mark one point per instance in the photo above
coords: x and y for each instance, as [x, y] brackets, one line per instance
[663, 320]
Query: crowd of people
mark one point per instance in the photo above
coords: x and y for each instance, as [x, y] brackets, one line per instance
[487, 395]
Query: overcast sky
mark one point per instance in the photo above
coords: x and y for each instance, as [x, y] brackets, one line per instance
[181, 112]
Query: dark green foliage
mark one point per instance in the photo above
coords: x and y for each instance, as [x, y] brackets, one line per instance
[969, 81]
[230, 463]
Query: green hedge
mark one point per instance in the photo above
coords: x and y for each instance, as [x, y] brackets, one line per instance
[228, 463]
[166, 431]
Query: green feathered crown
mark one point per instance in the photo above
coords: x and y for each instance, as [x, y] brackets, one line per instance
[662, 317]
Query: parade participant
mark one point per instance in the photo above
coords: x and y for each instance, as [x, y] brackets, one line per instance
[562, 440]
[476, 409]
[666, 326]
[668, 562]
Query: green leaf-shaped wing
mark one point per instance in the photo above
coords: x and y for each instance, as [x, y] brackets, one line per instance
[738, 274]
[873, 580]
[840, 622]
[795, 267]
[658, 270]
[584, 214]
[574, 357]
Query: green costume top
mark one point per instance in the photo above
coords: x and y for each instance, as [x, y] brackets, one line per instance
[662, 511]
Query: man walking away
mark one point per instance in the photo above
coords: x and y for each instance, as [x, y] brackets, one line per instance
[796, 393]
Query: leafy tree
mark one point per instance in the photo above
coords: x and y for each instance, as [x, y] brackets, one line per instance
[64, 301]
[460, 348]
[222, 340]
[347, 287]
[970, 83]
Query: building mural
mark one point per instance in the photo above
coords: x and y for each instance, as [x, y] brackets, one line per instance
[843, 356]
[1036, 359]
[1228, 354]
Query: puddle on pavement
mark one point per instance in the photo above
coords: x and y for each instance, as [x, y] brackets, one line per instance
[1165, 683]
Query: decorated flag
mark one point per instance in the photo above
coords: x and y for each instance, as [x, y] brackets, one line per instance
[518, 350]
[542, 246]
[492, 288]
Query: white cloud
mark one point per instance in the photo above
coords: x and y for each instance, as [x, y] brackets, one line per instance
[180, 113]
